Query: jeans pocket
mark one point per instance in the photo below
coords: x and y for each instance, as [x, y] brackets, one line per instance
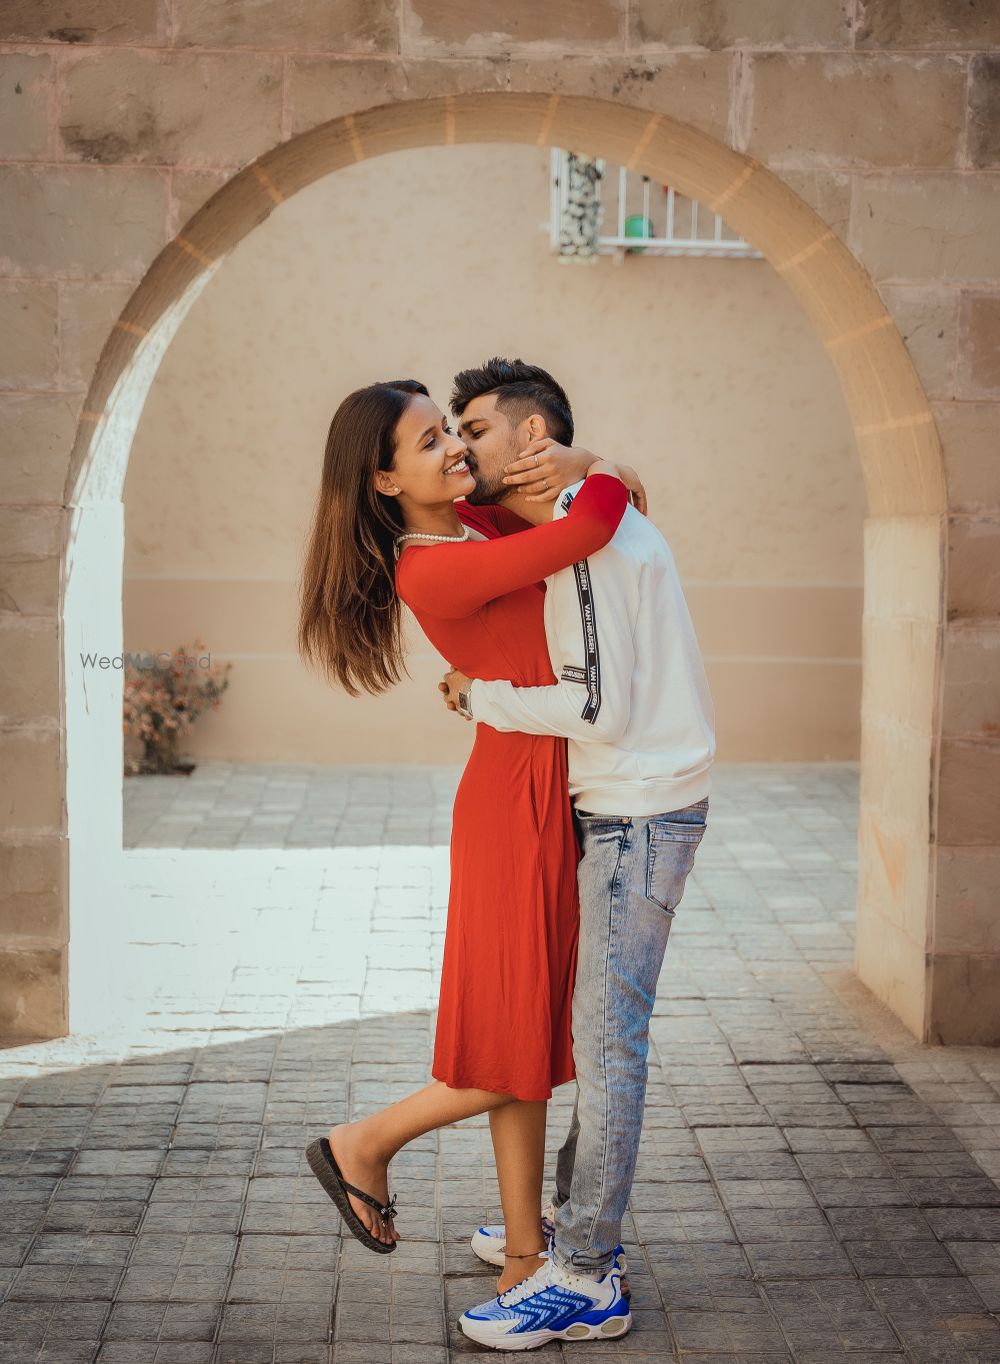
[672, 844]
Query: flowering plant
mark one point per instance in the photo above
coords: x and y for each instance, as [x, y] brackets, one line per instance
[163, 697]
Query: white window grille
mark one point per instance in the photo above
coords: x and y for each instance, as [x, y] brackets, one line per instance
[633, 216]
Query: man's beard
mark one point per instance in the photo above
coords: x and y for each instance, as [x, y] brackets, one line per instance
[490, 487]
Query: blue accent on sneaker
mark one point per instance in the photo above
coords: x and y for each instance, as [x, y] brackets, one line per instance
[553, 1307]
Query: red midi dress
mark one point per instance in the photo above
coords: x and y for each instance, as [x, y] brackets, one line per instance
[504, 1010]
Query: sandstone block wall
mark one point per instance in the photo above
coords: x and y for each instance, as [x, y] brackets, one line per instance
[118, 121]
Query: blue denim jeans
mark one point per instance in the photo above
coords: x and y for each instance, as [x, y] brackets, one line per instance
[632, 876]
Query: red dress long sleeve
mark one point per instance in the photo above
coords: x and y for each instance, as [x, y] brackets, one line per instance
[504, 1009]
[475, 572]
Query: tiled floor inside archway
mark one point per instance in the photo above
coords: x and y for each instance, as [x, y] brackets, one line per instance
[813, 1184]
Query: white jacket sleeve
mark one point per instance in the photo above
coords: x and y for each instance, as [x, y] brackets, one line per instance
[591, 643]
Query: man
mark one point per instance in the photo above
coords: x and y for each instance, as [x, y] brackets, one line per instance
[634, 703]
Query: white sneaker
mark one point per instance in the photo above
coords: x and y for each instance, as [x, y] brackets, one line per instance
[550, 1305]
[490, 1242]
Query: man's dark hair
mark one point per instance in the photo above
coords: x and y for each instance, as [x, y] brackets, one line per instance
[521, 391]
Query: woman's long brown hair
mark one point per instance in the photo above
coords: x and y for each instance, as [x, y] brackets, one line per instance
[350, 619]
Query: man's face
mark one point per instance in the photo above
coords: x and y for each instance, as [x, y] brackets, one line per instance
[494, 443]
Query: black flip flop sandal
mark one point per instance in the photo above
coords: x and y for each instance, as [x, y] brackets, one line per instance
[327, 1171]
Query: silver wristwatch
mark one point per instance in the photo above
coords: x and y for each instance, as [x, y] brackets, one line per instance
[465, 701]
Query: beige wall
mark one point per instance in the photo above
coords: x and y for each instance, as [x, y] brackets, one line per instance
[704, 373]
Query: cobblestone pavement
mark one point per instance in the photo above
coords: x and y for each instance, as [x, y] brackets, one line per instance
[813, 1185]
[272, 805]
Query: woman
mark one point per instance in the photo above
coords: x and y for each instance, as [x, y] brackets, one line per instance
[387, 532]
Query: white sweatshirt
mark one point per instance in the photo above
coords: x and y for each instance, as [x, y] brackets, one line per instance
[633, 698]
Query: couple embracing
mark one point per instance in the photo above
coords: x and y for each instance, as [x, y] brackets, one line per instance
[576, 821]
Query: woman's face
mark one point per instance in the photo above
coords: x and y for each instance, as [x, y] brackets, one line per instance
[430, 465]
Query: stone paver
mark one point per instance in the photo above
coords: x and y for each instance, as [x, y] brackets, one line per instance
[813, 1185]
[272, 805]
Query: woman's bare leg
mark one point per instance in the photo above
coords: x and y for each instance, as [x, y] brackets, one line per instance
[518, 1131]
[364, 1148]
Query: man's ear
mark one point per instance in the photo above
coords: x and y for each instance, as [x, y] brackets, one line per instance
[534, 428]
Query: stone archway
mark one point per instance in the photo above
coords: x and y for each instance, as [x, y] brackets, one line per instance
[896, 437]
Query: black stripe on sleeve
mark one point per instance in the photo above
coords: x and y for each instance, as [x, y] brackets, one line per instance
[591, 649]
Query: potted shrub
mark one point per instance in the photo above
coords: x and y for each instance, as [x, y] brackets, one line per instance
[164, 695]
